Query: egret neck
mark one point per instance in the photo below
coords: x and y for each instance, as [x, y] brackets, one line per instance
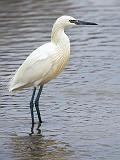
[60, 39]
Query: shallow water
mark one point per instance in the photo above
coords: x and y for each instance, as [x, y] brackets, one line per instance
[80, 108]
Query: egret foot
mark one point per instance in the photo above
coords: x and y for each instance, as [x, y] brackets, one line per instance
[39, 131]
[32, 132]
[39, 124]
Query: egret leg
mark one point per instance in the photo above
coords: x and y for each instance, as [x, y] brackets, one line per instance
[37, 105]
[31, 109]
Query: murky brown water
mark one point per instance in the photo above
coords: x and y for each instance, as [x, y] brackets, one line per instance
[81, 108]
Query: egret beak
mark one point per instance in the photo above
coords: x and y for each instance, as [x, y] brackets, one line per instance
[77, 22]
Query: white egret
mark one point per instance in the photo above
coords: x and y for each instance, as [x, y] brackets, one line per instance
[45, 63]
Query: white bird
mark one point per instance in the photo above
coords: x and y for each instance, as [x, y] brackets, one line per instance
[45, 63]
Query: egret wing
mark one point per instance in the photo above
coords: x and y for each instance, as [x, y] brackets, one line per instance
[34, 68]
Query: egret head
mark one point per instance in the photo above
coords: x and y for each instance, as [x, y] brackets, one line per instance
[65, 21]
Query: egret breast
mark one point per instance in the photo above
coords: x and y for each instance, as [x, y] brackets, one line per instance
[59, 61]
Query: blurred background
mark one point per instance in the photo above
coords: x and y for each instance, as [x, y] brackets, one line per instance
[80, 108]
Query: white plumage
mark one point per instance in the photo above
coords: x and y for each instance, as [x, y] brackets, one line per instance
[45, 63]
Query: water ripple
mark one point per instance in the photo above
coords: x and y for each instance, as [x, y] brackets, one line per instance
[80, 109]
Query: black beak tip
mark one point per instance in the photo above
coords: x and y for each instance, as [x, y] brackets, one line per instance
[95, 24]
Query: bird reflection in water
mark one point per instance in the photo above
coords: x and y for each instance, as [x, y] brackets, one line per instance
[37, 146]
